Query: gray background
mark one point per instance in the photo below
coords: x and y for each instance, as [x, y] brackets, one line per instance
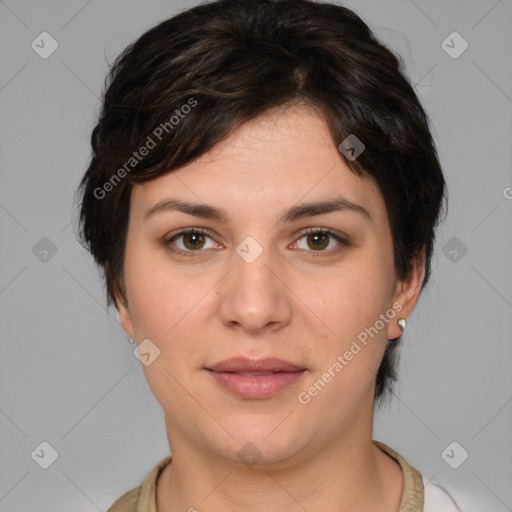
[67, 374]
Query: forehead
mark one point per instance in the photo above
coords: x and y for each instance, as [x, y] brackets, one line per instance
[269, 163]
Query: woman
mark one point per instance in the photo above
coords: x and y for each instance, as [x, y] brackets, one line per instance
[262, 198]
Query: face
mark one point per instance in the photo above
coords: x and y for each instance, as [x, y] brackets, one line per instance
[250, 272]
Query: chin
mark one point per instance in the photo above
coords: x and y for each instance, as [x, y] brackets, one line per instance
[261, 442]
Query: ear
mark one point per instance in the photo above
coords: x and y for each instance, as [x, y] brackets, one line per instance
[124, 313]
[407, 292]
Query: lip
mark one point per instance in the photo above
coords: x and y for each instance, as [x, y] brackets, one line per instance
[255, 379]
[244, 364]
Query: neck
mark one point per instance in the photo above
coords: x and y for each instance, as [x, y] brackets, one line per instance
[347, 475]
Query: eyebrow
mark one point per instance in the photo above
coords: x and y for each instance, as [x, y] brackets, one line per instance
[294, 213]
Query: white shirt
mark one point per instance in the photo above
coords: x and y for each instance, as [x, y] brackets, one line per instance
[437, 499]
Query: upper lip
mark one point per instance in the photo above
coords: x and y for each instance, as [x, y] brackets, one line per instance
[243, 364]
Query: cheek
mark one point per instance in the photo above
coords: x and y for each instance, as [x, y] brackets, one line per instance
[352, 297]
[347, 357]
[175, 311]
[161, 296]
[169, 308]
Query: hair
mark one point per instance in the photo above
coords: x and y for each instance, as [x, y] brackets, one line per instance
[187, 83]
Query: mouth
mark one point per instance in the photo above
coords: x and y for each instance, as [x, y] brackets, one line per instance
[255, 379]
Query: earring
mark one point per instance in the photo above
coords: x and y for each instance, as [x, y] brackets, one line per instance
[130, 339]
[402, 323]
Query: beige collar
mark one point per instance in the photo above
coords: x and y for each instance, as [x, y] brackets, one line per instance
[412, 495]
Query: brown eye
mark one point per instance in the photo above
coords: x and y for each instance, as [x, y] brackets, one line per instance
[192, 240]
[318, 240]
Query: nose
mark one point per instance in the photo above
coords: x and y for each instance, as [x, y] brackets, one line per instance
[254, 295]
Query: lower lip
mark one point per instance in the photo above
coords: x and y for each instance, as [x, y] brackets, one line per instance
[256, 387]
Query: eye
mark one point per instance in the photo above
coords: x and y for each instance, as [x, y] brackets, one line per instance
[193, 240]
[319, 239]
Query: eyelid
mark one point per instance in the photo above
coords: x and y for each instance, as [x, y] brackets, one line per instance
[339, 237]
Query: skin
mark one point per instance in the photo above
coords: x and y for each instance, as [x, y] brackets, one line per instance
[287, 303]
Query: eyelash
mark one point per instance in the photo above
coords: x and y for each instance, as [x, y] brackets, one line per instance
[312, 254]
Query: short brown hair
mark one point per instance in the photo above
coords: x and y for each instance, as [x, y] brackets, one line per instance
[230, 61]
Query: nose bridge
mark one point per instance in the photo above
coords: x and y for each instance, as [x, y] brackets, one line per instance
[253, 296]
[252, 277]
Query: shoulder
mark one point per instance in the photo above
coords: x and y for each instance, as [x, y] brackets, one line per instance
[127, 502]
[142, 498]
[438, 499]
